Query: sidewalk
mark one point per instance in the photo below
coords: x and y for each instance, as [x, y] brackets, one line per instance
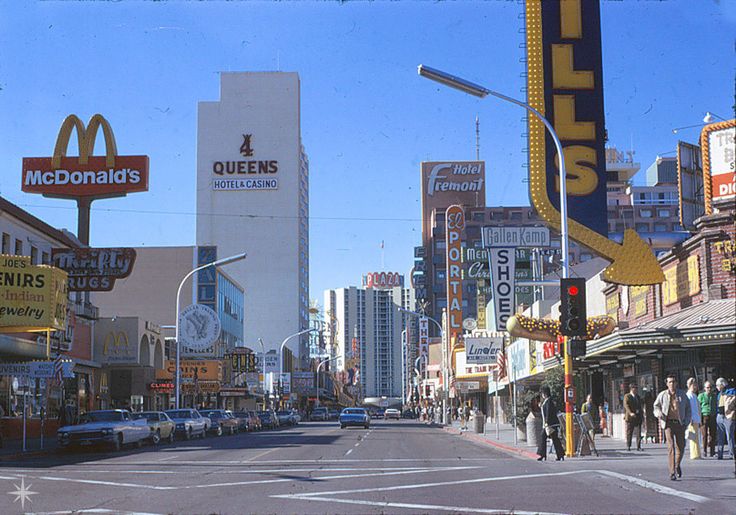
[12, 449]
[608, 448]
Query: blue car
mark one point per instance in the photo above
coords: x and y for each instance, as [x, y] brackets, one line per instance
[355, 417]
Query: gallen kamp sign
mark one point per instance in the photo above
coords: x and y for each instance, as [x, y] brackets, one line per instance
[61, 176]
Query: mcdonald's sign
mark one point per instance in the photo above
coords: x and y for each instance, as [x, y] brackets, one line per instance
[62, 176]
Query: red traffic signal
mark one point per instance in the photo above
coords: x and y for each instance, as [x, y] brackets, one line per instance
[573, 290]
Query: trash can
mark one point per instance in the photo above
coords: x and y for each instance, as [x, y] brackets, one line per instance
[533, 430]
[479, 422]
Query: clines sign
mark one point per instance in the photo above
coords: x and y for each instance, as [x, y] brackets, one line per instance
[249, 174]
[62, 176]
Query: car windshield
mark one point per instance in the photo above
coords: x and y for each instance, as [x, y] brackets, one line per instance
[151, 417]
[354, 412]
[283, 413]
[101, 416]
[212, 414]
[180, 414]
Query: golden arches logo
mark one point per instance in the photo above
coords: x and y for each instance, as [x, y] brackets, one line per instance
[86, 139]
[90, 176]
[116, 343]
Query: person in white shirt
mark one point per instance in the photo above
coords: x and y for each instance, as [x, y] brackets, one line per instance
[693, 430]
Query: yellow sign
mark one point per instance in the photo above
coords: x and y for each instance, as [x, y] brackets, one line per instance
[632, 263]
[32, 297]
[681, 280]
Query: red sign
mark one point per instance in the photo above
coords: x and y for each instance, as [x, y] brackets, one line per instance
[383, 280]
[161, 387]
[86, 175]
[455, 223]
[550, 349]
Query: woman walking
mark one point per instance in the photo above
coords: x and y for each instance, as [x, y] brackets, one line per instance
[550, 427]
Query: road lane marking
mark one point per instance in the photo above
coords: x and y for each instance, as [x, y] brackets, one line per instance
[25, 472]
[262, 454]
[453, 509]
[640, 482]
[243, 483]
[349, 451]
[654, 486]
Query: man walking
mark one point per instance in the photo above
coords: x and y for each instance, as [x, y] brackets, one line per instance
[726, 415]
[672, 408]
[708, 401]
[633, 416]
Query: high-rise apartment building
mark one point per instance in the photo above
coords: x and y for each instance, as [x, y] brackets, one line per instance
[368, 337]
[253, 196]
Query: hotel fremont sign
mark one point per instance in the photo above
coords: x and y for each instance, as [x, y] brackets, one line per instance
[249, 174]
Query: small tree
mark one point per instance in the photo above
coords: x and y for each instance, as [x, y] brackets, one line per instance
[555, 380]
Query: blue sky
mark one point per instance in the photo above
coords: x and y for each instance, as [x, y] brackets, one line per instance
[368, 120]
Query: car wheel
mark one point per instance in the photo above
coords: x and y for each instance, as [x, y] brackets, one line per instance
[156, 437]
[118, 444]
[218, 431]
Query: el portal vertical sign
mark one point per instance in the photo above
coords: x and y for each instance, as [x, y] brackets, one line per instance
[455, 223]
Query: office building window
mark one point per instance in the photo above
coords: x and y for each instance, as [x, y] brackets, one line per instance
[34, 255]
[663, 213]
[6, 243]
[18, 248]
[660, 227]
[645, 213]
[642, 227]
[45, 258]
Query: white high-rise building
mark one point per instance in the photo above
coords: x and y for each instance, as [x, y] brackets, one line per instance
[253, 196]
[368, 326]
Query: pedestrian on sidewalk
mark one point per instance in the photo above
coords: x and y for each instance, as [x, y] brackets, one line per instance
[550, 427]
[672, 408]
[466, 416]
[590, 408]
[726, 419]
[708, 401]
[633, 416]
[693, 431]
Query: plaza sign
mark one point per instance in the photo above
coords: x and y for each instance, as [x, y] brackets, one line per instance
[565, 82]
[383, 280]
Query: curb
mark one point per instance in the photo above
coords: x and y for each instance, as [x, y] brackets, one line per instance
[28, 454]
[503, 447]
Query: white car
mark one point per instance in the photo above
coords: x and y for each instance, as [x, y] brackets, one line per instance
[391, 413]
[114, 427]
[189, 423]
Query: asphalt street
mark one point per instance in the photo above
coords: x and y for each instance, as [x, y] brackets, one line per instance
[394, 467]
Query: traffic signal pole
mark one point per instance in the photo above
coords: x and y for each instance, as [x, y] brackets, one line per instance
[569, 405]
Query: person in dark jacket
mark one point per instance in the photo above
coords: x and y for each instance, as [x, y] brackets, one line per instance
[550, 427]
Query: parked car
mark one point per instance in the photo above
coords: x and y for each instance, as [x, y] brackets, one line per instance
[189, 423]
[289, 417]
[112, 427]
[320, 413]
[355, 417]
[269, 420]
[378, 413]
[222, 422]
[243, 420]
[297, 416]
[409, 414]
[254, 421]
[162, 427]
[333, 414]
[391, 413]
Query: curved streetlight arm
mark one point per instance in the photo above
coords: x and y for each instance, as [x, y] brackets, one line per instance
[318, 367]
[223, 261]
[281, 349]
[480, 91]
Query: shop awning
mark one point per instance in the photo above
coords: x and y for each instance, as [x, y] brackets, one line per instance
[707, 324]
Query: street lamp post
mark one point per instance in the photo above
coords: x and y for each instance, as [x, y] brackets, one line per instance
[482, 92]
[281, 349]
[318, 367]
[445, 378]
[263, 371]
[223, 261]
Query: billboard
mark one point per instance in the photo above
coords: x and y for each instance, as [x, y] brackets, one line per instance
[481, 351]
[503, 271]
[566, 84]
[90, 176]
[33, 296]
[445, 183]
[718, 141]
[94, 269]
[690, 184]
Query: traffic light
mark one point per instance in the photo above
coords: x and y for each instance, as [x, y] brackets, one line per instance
[427, 391]
[577, 348]
[573, 317]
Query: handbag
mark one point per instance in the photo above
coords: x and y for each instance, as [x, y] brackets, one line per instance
[550, 430]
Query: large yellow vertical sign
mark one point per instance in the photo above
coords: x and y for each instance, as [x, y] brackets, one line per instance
[565, 84]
